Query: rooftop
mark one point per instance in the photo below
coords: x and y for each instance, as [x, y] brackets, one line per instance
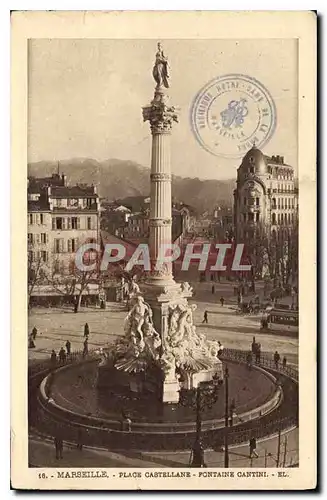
[73, 192]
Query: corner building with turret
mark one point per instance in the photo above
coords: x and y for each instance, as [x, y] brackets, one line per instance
[265, 197]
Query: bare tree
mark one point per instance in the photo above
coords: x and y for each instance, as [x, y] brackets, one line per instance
[75, 284]
[36, 272]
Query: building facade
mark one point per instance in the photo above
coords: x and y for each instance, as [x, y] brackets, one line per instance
[60, 219]
[265, 198]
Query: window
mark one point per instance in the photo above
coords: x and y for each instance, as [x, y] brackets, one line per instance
[278, 201]
[274, 206]
[244, 201]
[250, 217]
[30, 218]
[44, 238]
[72, 245]
[282, 203]
[244, 217]
[58, 223]
[257, 201]
[57, 267]
[44, 256]
[282, 218]
[30, 238]
[59, 245]
[41, 219]
[74, 223]
[257, 217]
[273, 218]
[89, 223]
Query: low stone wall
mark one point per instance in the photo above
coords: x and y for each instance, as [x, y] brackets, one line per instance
[152, 427]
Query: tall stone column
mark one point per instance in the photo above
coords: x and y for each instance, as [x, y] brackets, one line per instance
[161, 116]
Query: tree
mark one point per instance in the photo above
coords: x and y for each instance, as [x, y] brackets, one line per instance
[75, 284]
[36, 272]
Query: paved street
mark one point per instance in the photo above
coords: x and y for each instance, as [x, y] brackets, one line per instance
[42, 453]
[234, 331]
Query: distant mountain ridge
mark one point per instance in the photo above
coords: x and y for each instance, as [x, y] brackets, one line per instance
[122, 178]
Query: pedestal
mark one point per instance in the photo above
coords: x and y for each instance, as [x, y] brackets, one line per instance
[170, 391]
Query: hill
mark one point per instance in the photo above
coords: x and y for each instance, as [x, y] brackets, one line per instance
[120, 178]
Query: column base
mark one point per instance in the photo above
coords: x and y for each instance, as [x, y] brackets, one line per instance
[170, 391]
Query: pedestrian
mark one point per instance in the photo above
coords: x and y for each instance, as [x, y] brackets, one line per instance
[59, 446]
[284, 362]
[220, 348]
[198, 455]
[253, 346]
[34, 333]
[253, 447]
[31, 343]
[222, 300]
[86, 348]
[205, 317]
[62, 355]
[53, 357]
[276, 359]
[86, 330]
[213, 289]
[68, 347]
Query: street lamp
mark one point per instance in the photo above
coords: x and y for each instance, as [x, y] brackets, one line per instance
[226, 458]
[203, 396]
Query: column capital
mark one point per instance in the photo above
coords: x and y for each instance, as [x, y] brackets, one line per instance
[161, 116]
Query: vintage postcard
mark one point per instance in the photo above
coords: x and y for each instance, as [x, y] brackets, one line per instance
[164, 250]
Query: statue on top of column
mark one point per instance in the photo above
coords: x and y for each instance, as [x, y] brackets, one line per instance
[161, 69]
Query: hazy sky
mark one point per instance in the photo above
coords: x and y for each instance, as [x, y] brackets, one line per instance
[86, 97]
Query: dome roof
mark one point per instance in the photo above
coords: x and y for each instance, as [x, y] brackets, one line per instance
[255, 158]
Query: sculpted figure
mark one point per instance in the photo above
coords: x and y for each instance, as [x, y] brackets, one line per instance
[186, 287]
[134, 289]
[136, 316]
[152, 337]
[161, 69]
[168, 363]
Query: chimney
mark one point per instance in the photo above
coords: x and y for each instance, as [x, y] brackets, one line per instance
[64, 179]
[94, 189]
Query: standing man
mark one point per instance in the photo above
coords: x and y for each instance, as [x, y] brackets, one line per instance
[253, 447]
[86, 330]
[34, 333]
[62, 355]
[276, 359]
[222, 300]
[205, 317]
[53, 358]
[284, 362]
[59, 445]
[68, 347]
[213, 289]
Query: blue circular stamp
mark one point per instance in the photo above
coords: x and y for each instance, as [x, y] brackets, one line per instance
[231, 113]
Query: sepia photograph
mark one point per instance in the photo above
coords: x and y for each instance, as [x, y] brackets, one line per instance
[163, 271]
